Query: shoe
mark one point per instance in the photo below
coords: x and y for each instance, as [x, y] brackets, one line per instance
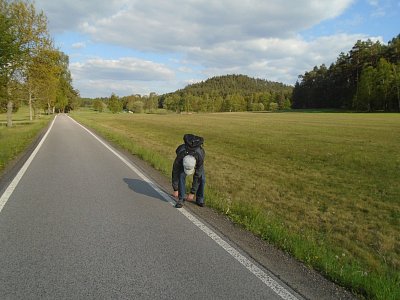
[179, 204]
[200, 204]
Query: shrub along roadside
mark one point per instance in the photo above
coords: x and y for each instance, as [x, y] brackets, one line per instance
[314, 248]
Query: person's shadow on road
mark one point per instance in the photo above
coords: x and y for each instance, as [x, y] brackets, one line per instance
[142, 187]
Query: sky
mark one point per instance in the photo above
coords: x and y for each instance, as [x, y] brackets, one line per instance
[131, 47]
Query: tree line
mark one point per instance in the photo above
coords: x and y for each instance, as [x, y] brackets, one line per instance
[217, 94]
[32, 70]
[133, 103]
[365, 79]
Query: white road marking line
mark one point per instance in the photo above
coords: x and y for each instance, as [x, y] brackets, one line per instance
[10, 189]
[260, 274]
[266, 279]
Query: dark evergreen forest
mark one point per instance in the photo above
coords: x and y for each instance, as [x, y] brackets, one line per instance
[365, 79]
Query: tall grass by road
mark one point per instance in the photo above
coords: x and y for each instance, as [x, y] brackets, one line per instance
[322, 186]
[16, 139]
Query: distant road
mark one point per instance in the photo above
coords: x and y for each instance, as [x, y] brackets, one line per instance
[80, 222]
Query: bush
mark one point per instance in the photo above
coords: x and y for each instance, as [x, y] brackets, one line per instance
[137, 107]
[257, 107]
[98, 105]
[273, 106]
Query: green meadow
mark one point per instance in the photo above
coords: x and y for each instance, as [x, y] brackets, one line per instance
[322, 186]
[16, 139]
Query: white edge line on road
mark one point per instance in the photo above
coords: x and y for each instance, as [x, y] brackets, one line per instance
[260, 274]
[10, 189]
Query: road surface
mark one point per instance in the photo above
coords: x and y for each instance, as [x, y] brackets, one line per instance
[80, 221]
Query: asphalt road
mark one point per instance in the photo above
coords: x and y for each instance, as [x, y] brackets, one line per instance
[83, 223]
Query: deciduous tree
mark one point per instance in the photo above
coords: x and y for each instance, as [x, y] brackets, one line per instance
[114, 104]
[364, 99]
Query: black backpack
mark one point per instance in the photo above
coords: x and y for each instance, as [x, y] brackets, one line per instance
[193, 145]
[192, 141]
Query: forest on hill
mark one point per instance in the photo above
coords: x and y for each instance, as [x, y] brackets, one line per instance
[365, 79]
[229, 93]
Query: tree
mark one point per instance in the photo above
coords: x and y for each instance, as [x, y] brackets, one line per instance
[61, 102]
[66, 95]
[364, 100]
[28, 30]
[384, 81]
[172, 101]
[273, 106]
[138, 107]
[396, 84]
[257, 107]
[10, 55]
[340, 78]
[217, 104]
[98, 105]
[363, 79]
[44, 73]
[33, 37]
[130, 100]
[234, 102]
[37, 42]
[392, 51]
[114, 104]
[151, 102]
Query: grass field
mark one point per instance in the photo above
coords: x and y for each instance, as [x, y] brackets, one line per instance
[322, 186]
[16, 139]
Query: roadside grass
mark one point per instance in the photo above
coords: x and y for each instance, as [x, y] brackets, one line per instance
[322, 186]
[14, 140]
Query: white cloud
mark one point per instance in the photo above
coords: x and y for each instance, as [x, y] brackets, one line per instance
[274, 59]
[125, 75]
[178, 25]
[79, 45]
[373, 2]
[381, 8]
[123, 68]
[205, 38]
[104, 88]
[164, 25]
[66, 15]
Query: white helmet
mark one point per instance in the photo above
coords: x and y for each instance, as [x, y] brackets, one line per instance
[189, 162]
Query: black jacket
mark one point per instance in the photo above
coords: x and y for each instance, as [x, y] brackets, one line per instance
[193, 146]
